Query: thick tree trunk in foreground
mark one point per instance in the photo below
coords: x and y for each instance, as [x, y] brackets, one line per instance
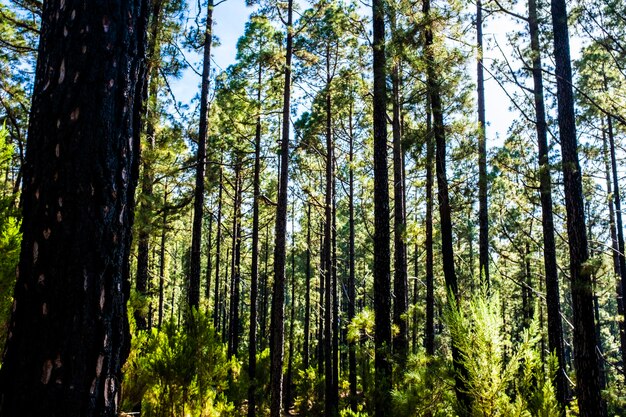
[198, 201]
[278, 293]
[586, 360]
[382, 291]
[68, 336]
[553, 304]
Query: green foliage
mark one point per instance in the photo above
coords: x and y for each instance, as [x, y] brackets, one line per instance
[179, 371]
[499, 384]
[425, 388]
[10, 237]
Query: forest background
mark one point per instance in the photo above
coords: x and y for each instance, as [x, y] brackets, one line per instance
[481, 309]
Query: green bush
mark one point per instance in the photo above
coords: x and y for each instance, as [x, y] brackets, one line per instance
[179, 371]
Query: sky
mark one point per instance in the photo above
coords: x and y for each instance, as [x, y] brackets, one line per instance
[229, 22]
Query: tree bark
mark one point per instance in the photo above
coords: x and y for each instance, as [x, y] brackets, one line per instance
[352, 377]
[400, 280]
[233, 346]
[218, 252]
[483, 217]
[553, 304]
[586, 361]
[429, 339]
[434, 91]
[278, 297]
[621, 289]
[254, 269]
[382, 293]
[68, 336]
[198, 202]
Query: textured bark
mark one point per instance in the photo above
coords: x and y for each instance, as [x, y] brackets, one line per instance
[586, 360]
[254, 269]
[198, 200]
[162, 259]
[382, 293]
[400, 280]
[307, 293]
[429, 337]
[278, 297]
[68, 336]
[218, 252]
[288, 398]
[620, 287]
[434, 91]
[553, 304]
[483, 219]
[234, 325]
[330, 405]
[209, 266]
[352, 377]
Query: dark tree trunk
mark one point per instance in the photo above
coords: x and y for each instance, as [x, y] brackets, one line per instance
[330, 405]
[278, 294]
[618, 258]
[620, 240]
[233, 346]
[483, 219]
[68, 336]
[586, 361]
[145, 209]
[553, 304]
[198, 201]
[429, 339]
[218, 252]
[209, 266]
[254, 269]
[265, 300]
[382, 290]
[434, 88]
[351, 275]
[307, 294]
[162, 258]
[289, 383]
[321, 307]
[400, 281]
[335, 298]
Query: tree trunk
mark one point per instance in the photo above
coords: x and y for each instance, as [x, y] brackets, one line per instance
[198, 201]
[278, 297]
[68, 336]
[351, 275]
[209, 267]
[483, 218]
[618, 254]
[400, 281]
[553, 304]
[330, 405]
[433, 85]
[429, 339]
[254, 269]
[586, 361]
[218, 252]
[162, 257]
[292, 318]
[233, 346]
[382, 291]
